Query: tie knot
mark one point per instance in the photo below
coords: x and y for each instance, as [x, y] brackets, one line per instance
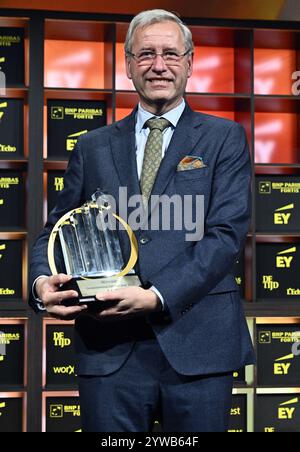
[157, 123]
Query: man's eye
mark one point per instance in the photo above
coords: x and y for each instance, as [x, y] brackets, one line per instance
[145, 55]
[171, 54]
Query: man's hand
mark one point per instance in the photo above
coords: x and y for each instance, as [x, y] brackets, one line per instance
[47, 291]
[128, 301]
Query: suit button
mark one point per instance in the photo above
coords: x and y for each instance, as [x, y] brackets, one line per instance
[144, 240]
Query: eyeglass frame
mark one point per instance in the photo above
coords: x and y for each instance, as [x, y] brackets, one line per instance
[156, 54]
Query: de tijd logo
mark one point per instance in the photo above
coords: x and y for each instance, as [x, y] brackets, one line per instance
[285, 258]
[283, 214]
[286, 410]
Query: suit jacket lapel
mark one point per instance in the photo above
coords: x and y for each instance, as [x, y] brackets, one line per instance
[124, 155]
[185, 137]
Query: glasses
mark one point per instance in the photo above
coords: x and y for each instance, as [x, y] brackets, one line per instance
[146, 57]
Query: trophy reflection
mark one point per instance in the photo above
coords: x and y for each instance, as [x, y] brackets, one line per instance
[91, 250]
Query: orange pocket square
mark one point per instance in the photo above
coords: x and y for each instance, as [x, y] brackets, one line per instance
[191, 162]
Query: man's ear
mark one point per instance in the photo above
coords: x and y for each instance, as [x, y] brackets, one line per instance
[128, 68]
[190, 63]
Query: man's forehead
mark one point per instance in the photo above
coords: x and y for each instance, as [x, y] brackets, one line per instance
[167, 30]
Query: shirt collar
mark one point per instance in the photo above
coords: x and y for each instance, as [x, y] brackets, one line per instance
[173, 116]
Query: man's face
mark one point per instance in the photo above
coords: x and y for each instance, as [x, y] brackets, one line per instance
[159, 85]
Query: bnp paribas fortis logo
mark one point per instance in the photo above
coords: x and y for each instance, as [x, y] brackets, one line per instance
[265, 187]
[285, 258]
[72, 140]
[3, 105]
[57, 113]
[56, 411]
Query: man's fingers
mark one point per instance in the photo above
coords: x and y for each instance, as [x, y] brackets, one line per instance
[66, 312]
[122, 308]
[55, 298]
[57, 280]
[117, 294]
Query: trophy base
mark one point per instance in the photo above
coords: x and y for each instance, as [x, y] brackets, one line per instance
[89, 287]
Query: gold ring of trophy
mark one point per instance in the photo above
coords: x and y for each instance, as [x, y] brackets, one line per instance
[92, 253]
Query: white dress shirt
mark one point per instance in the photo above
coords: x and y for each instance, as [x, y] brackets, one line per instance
[141, 132]
[141, 135]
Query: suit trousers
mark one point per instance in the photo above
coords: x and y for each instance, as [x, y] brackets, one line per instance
[146, 388]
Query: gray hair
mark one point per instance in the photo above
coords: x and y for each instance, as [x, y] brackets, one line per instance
[155, 16]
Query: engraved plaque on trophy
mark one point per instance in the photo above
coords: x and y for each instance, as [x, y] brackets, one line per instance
[92, 252]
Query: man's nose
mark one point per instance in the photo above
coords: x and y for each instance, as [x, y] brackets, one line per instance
[159, 64]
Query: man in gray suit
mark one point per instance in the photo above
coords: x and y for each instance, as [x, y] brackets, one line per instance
[170, 347]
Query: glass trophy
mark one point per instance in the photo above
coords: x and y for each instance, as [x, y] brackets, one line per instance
[91, 251]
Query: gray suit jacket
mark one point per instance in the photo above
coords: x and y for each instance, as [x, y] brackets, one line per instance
[203, 329]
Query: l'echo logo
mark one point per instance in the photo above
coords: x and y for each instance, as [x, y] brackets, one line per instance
[285, 258]
[72, 140]
[3, 105]
[282, 216]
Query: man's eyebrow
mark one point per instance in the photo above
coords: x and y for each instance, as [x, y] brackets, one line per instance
[164, 49]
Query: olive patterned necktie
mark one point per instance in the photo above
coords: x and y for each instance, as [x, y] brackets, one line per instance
[152, 155]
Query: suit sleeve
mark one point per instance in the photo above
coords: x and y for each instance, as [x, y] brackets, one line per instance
[70, 198]
[191, 275]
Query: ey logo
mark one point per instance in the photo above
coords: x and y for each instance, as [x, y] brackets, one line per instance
[282, 215]
[282, 368]
[72, 139]
[2, 105]
[2, 406]
[284, 258]
[286, 411]
[2, 248]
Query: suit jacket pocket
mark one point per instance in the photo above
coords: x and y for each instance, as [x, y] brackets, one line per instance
[190, 174]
